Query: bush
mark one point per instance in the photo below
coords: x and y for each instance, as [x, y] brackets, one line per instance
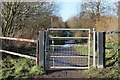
[37, 70]
[22, 68]
[19, 68]
[102, 73]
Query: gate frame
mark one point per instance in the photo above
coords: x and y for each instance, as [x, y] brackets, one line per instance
[44, 41]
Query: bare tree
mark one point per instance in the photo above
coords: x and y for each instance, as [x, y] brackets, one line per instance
[23, 16]
[12, 17]
[40, 19]
[95, 9]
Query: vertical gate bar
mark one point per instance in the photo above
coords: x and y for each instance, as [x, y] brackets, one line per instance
[53, 62]
[56, 58]
[53, 44]
[94, 51]
[101, 49]
[89, 50]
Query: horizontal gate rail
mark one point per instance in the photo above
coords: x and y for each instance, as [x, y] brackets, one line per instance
[61, 29]
[69, 45]
[19, 39]
[69, 56]
[18, 54]
[69, 37]
[61, 67]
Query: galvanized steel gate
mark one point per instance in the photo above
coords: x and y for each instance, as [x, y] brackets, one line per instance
[67, 51]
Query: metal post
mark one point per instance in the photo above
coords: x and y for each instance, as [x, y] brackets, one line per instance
[45, 48]
[37, 52]
[94, 46]
[41, 48]
[101, 49]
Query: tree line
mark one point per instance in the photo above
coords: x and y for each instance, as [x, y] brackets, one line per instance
[26, 19]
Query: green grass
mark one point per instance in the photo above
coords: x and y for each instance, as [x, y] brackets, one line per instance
[102, 73]
[82, 50]
[19, 68]
[16, 67]
[112, 66]
[112, 54]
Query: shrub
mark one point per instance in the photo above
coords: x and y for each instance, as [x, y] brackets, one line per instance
[37, 70]
[19, 68]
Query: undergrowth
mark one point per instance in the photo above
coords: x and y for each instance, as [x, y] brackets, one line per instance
[102, 73]
[13, 68]
[112, 54]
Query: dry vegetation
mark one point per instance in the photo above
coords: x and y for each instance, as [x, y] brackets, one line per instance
[107, 23]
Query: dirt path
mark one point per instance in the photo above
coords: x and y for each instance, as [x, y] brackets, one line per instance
[64, 74]
[65, 62]
[66, 57]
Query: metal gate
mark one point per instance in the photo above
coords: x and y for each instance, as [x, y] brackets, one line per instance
[67, 48]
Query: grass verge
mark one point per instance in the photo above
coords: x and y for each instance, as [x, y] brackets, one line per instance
[13, 68]
[102, 73]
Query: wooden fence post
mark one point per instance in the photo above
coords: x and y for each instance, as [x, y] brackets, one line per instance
[101, 49]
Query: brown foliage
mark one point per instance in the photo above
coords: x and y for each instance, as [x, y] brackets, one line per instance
[107, 23]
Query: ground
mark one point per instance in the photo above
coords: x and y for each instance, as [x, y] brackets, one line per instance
[64, 74]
